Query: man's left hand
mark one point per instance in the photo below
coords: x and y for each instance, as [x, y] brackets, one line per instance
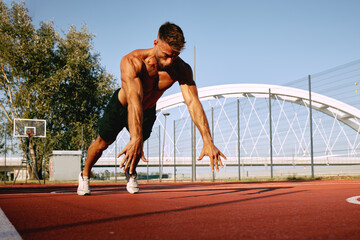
[133, 153]
[214, 154]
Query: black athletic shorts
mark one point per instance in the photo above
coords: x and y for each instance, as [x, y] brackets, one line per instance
[115, 118]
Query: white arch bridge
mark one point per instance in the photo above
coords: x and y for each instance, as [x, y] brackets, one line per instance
[239, 118]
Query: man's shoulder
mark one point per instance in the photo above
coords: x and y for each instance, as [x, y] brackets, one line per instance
[136, 55]
[134, 59]
[183, 72]
[139, 53]
[182, 66]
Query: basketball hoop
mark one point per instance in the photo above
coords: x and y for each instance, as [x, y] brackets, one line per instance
[29, 128]
[30, 134]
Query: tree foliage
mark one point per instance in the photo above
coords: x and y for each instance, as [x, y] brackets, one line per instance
[51, 76]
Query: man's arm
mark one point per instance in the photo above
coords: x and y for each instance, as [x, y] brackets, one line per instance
[196, 111]
[130, 68]
[191, 98]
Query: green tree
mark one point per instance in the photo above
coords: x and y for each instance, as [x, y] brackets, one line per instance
[107, 174]
[45, 75]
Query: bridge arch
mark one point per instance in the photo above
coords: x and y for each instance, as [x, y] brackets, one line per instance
[327, 105]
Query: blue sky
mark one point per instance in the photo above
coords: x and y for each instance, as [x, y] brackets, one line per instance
[243, 41]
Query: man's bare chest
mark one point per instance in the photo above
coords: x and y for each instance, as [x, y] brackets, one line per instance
[159, 81]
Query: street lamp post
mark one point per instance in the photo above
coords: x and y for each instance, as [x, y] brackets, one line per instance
[162, 155]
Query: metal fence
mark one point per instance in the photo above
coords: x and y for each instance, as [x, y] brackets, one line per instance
[308, 127]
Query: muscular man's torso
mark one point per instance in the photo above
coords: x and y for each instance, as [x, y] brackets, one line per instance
[155, 82]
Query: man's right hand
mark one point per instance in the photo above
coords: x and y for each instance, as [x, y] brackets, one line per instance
[133, 152]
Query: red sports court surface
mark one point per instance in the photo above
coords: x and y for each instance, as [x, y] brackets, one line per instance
[258, 210]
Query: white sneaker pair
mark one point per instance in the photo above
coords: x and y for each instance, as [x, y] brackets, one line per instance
[132, 185]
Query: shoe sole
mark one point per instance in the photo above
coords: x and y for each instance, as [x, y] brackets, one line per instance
[131, 191]
[83, 193]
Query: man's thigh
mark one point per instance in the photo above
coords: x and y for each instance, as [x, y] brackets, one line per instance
[113, 120]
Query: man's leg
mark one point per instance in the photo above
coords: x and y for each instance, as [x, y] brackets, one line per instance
[94, 153]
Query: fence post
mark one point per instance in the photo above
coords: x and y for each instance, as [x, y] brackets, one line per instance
[271, 141]
[44, 160]
[115, 159]
[238, 137]
[159, 155]
[174, 153]
[147, 157]
[82, 149]
[5, 173]
[311, 131]
[193, 151]
[163, 148]
[212, 134]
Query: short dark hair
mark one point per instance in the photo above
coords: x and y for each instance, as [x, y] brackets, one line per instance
[173, 35]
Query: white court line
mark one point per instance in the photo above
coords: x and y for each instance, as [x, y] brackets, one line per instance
[27, 194]
[354, 200]
[7, 230]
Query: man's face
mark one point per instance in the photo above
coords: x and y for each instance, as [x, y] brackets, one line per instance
[164, 54]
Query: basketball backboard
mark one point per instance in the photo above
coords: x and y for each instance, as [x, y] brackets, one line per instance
[29, 127]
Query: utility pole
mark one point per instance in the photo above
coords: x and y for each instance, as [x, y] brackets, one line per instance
[163, 148]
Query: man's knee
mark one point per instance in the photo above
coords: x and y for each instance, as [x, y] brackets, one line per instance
[101, 144]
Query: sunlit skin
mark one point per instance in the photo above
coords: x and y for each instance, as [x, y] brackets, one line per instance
[141, 68]
[145, 76]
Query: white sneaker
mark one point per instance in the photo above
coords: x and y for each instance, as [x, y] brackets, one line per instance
[132, 185]
[83, 188]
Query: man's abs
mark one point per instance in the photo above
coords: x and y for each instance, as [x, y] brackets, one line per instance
[150, 98]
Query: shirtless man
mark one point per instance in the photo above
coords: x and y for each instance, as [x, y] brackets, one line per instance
[145, 75]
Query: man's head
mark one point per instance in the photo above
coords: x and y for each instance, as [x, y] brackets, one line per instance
[168, 45]
[173, 35]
